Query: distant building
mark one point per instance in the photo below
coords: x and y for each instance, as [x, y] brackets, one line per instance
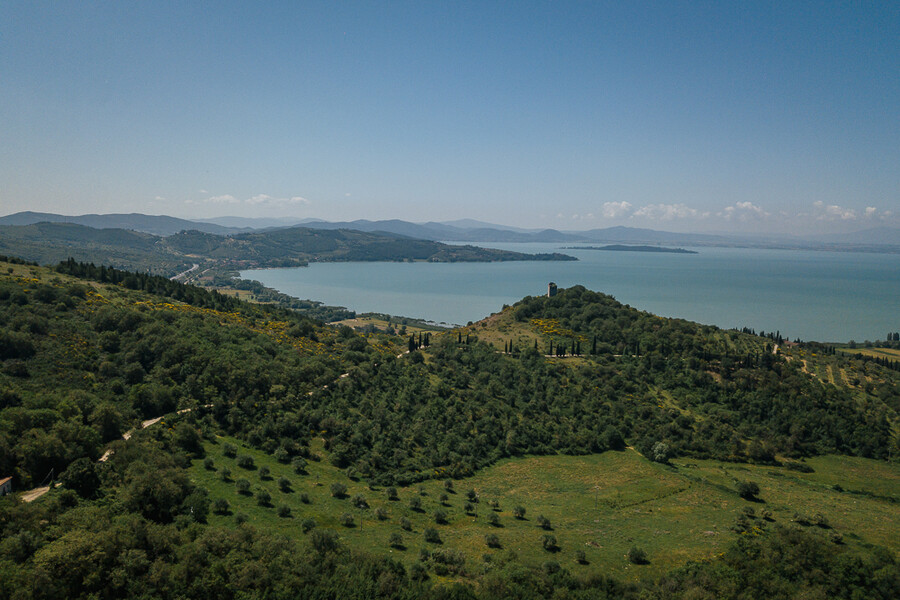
[551, 289]
[5, 486]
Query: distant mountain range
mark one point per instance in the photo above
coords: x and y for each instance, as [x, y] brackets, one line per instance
[882, 239]
[49, 242]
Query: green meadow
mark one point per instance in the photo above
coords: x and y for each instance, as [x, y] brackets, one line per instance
[601, 505]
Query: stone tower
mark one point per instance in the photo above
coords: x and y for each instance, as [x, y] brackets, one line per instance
[551, 289]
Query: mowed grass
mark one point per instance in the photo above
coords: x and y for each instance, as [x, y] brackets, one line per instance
[599, 504]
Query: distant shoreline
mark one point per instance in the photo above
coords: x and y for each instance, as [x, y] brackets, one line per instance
[624, 248]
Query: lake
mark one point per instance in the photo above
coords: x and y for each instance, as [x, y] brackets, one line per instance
[827, 296]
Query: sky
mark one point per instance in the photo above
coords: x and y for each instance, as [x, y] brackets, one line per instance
[683, 116]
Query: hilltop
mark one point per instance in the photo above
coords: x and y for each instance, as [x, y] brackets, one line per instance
[646, 454]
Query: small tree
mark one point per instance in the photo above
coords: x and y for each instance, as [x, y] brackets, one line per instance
[284, 484]
[229, 450]
[469, 508]
[415, 503]
[359, 501]
[448, 485]
[225, 474]
[263, 498]
[265, 473]
[243, 486]
[304, 498]
[492, 540]
[220, 506]
[338, 489]
[284, 511]
[307, 525]
[580, 557]
[637, 556]
[245, 462]
[396, 541]
[346, 520]
[405, 524]
[748, 490]
[494, 519]
[548, 541]
[440, 517]
[209, 464]
[431, 535]
[472, 496]
[660, 452]
[381, 514]
[519, 512]
[443, 498]
[544, 522]
[324, 542]
[392, 494]
[299, 465]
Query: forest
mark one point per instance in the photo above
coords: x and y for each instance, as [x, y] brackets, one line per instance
[88, 353]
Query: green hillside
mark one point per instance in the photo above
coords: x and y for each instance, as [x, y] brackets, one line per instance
[682, 460]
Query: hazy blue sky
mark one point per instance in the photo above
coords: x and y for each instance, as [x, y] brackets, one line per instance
[779, 116]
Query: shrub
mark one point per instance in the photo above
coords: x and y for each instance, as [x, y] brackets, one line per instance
[544, 523]
[263, 498]
[495, 504]
[245, 462]
[324, 541]
[472, 495]
[307, 525]
[225, 474]
[748, 490]
[418, 572]
[359, 501]
[392, 493]
[304, 498]
[580, 557]
[551, 567]
[469, 508]
[492, 540]
[494, 519]
[281, 455]
[519, 512]
[637, 556]
[431, 535]
[338, 490]
[346, 520]
[443, 499]
[209, 464]
[284, 511]
[415, 503]
[405, 524]
[240, 518]
[448, 485]
[243, 486]
[381, 514]
[548, 541]
[299, 464]
[440, 517]
[284, 484]
[220, 506]
[264, 473]
[396, 540]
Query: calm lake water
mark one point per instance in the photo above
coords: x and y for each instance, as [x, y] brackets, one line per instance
[827, 296]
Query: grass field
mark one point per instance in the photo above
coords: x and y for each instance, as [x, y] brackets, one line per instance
[890, 353]
[600, 504]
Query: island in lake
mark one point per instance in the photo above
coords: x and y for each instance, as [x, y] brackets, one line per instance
[623, 248]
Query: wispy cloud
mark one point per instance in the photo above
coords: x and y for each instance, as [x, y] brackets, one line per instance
[832, 212]
[669, 212]
[614, 210]
[743, 211]
[257, 200]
